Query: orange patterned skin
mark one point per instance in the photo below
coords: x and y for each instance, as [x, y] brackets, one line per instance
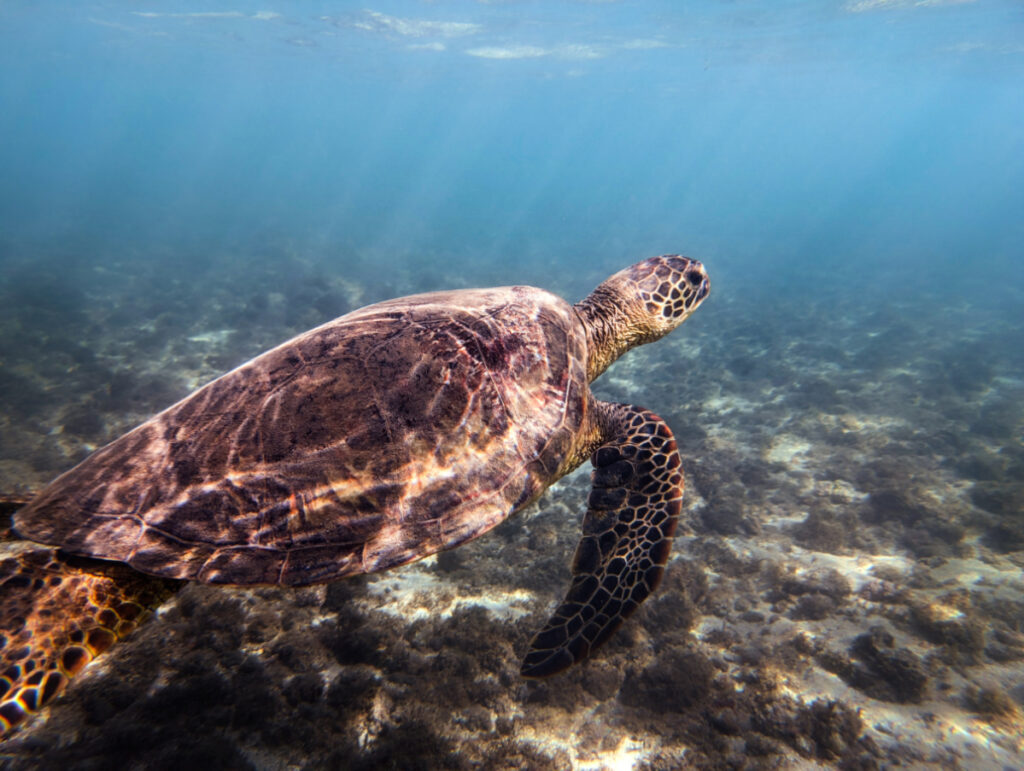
[386, 435]
[57, 615]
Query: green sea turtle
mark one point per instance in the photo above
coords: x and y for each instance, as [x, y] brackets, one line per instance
[381, 437]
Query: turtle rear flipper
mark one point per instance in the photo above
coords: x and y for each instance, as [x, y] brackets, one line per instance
[56, 615]
[627, 535]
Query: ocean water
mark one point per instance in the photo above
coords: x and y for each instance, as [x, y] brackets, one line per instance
[183, 186]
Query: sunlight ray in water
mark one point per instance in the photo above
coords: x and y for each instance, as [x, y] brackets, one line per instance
[184, 186]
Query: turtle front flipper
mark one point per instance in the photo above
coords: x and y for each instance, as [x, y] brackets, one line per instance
[627, 535]
[56, 616]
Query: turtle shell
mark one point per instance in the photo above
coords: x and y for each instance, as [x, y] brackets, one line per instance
[388, 434]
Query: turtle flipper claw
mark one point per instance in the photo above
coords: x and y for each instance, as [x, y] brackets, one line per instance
[627, 535]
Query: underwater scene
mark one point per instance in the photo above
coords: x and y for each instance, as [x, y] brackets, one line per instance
[263, 576]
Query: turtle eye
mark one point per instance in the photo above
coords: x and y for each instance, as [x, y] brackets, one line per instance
[694, 278]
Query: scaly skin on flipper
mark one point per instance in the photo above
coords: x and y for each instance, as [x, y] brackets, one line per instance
[57, 615]
[627, 536]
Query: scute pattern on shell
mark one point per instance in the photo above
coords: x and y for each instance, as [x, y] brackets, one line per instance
[388, 434]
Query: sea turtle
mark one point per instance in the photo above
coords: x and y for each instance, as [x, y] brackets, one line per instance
[391, 433]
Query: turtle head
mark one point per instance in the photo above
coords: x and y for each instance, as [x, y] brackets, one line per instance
[638, 305]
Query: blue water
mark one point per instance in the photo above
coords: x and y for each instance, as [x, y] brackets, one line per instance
[772, 139]
[183, 185]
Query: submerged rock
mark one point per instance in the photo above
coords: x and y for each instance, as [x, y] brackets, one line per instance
[884, 672]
